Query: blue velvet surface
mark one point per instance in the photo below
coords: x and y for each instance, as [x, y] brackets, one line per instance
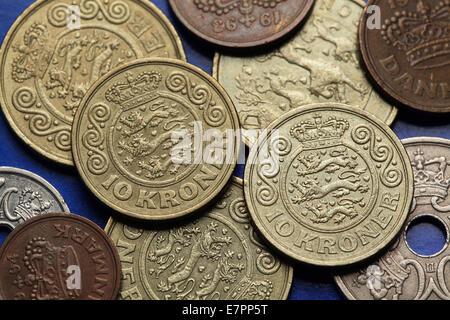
[309, 282]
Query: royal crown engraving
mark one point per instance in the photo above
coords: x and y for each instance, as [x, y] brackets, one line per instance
[430, 178]
[245, 8]
[329, 182]
[28, 204]
[424, 35]
[319, 132]
[134, 91]
[47, 270]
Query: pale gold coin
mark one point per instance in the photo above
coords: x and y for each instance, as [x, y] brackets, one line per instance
[156, 139]
[319, 64]
[217, 256]
[57, 49]
[328, 184]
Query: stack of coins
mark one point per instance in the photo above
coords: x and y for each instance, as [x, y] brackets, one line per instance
[310, 87]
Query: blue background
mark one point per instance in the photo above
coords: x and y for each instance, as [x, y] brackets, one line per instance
[309, 282]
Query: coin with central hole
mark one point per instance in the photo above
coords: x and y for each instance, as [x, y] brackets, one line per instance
[403, 273]
[328, 184]
[59, 256]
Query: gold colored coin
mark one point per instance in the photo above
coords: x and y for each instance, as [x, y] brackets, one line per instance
[57, 49]
[217, 256]
[328, 184]
[319, 64]
[156, 139]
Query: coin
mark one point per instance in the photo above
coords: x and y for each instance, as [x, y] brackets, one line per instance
[59, 256]
[319, 64]
[328, 184]
[241, 24]
[24, 195]
[401, 273]
[217, 256]
[143, 137]
[404, 45]
[57, 49]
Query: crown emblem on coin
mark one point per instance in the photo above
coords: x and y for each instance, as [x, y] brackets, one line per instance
[429, 176]
[47, 266]
[319, 131]
[423, 35]
[31, 204]
[134, 91]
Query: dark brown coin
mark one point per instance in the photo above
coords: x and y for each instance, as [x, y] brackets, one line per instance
[59, 256]
[241, 23]
[405, 46]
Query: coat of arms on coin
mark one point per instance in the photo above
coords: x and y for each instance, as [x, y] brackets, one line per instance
[402, 273]
[241, 23]
[59, 256]
[57, 49]
[156, 139]
[328, 184]
[407, 50]
[217, 256]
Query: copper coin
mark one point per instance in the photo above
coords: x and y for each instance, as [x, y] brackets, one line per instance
[405, 46]
[59, 256]
[241, 23]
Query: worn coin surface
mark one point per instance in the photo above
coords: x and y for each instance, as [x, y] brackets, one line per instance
[328, 184]
[57, 49]
[241, 23]
[59, 256]
[217, 256]
[407, 53]
[24, 195]
[319, 64]
[156, 139]
[401, 273]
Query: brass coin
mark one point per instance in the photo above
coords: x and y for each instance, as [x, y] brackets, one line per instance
[241, 24]
[217, 256]
[319, 64]
[125, 145]
[401, 273]
[328, 184]
[58, 48]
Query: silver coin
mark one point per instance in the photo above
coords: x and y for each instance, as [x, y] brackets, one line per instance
[24, 195]
[402, 273]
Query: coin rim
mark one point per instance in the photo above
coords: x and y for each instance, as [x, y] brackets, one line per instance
[216, 69]
[407, 141]
[179, 64]
[6, 44]
[33, 176]
[367, 58]
[249, 168]
[110, 246]
[249, 44]
[240, 183]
